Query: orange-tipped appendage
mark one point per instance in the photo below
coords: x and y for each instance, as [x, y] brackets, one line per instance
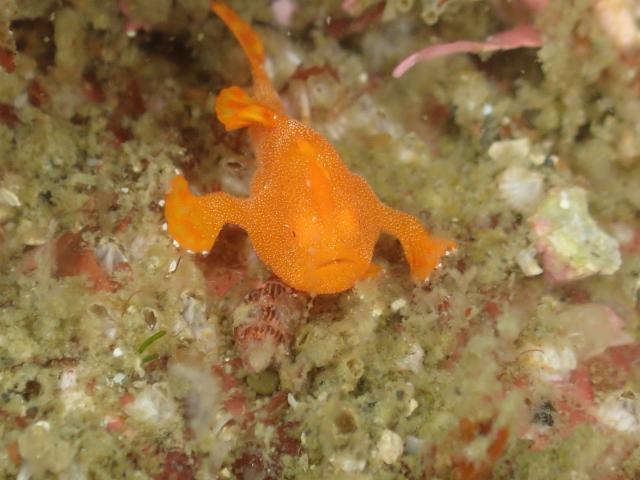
[311, 221]
[243, 32]
[194, 221]
[236, 109]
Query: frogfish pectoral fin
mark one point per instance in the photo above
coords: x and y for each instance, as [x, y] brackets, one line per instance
[423, 251]
[194, 221]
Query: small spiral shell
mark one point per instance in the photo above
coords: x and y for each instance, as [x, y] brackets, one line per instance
[265, 322]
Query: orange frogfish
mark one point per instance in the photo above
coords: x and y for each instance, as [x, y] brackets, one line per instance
[310, 220]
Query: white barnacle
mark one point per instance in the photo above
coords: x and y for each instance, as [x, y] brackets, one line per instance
[9, 198]
[521, 188]
[526, 260]
[291, 400]
[153, 404]
[550, 362]
[110, 256]
[173, 265]
[389, 447]
[412, 360]
[398, 304]
[620, 412]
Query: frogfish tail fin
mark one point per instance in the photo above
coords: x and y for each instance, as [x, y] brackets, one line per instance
[243, 32]
[253, 49]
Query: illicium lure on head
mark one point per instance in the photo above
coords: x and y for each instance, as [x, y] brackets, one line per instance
[310, 220]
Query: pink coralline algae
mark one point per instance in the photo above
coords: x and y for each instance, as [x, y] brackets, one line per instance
[521, 36]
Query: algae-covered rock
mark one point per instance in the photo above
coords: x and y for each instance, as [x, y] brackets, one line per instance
[100, 103]
[148, 12]
[572, 336]
[570, 241]
[70, 39]
[43, 450]
[29, 9]
[153, 404]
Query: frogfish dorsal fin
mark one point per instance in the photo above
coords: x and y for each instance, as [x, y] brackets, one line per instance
[236, 109]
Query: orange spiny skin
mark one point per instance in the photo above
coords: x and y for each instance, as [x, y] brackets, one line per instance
[311, 220]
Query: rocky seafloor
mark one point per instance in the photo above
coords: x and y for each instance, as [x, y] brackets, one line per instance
[518, 359]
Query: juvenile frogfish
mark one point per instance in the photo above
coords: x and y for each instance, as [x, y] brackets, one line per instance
[310, 220]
